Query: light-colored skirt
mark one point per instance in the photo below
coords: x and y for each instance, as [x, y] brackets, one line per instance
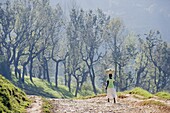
[111, 93]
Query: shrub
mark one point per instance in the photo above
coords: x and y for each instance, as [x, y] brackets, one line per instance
[12, 99]
[141, 92]
[164, 95]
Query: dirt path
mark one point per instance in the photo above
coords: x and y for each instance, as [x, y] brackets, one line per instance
[100, 105]
[36, 106]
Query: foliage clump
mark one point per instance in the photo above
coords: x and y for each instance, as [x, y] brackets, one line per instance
[141, 92]
[164, 95]
[12, 99]
[86, 90]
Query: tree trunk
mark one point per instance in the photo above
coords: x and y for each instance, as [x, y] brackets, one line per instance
[65, 75]
[24, 69]
[155, 78]
[159, 80]
[138, 76]
[92, 76]
[65, 79]
[69, 82]
[164, 80]
[23, 73]
[30, 69]
[45, 70]
[121, 78]
[5, 70]
[56, 74]
[44, 73]
[93, 84]
[83, 79]
[149, 84]
[15, 63]
[48, 77]
[77, 87]
[19, 72]
[40, 72]
[5, 65]
[115, 59]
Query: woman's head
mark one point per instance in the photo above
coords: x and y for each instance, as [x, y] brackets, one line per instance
[110, 76]
[110, 72]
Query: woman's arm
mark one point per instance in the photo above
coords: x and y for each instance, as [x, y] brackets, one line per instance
[107, 84]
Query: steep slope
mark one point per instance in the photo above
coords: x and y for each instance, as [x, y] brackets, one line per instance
[12, 99]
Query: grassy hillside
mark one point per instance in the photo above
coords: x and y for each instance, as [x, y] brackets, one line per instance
[12, 99]
[43, 88]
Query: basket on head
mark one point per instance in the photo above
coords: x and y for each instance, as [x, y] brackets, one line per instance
[109, 71]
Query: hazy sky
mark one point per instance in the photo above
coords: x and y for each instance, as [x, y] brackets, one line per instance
[138, 15]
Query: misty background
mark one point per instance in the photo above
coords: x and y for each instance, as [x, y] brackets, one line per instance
[139, 16]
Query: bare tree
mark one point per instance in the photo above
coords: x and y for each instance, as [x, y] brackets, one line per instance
[156, 53]
[94, 25]
[7, 20]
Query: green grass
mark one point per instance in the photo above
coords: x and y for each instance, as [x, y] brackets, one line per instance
[164, 95]
[141, 92]
[12, 99]
[42, 88]
[46, 106]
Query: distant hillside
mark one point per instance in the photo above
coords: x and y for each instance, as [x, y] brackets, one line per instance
[12, 99]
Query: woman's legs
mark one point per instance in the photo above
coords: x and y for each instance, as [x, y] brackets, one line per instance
[114, 100]
[108, 100]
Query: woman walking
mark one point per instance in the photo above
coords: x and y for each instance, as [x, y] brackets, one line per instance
[111, 91]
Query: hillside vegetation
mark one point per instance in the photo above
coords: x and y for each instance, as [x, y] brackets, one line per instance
[42, 88]
[12, 99]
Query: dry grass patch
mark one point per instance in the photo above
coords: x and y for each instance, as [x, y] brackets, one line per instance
[151, 102]
[162, 106]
